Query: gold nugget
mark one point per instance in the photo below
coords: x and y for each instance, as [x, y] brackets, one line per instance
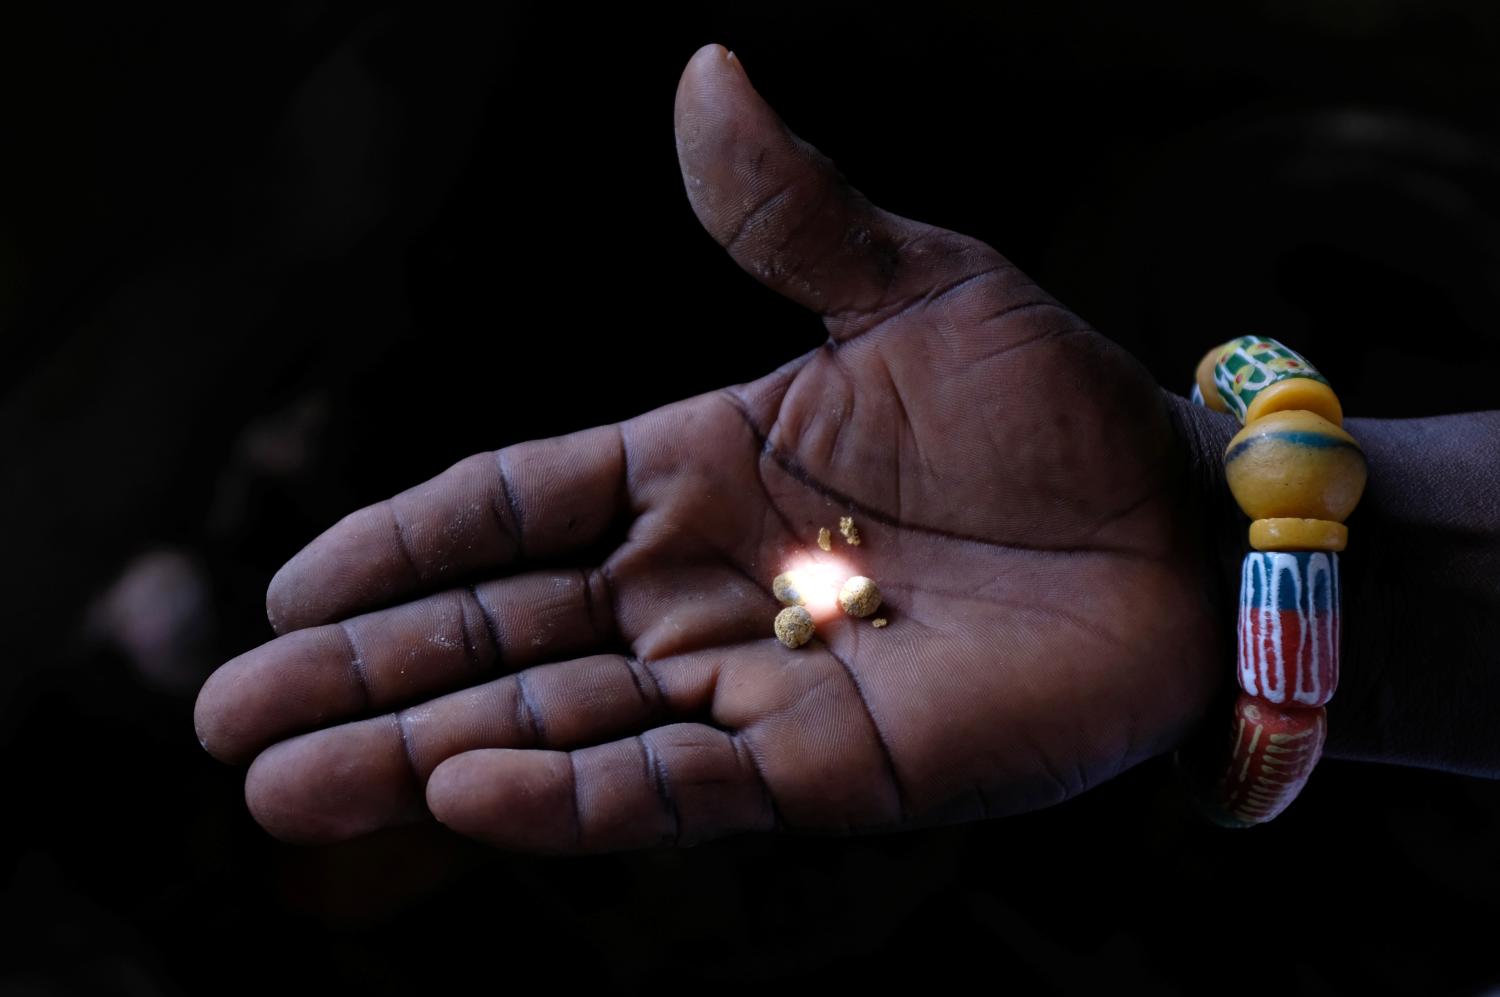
[825, 539]
[859, 596]
[794, 626]
[849, 530]
[784, 588]
[878, 622]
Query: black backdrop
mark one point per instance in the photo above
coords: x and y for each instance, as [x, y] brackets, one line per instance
[259, 269]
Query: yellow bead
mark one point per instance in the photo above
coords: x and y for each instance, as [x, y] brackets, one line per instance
[1298, 534]
[1205, 379]
[1295, 465]
[1295, 393]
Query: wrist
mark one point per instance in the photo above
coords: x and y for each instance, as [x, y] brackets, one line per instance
[1422, 598]
[1359, 715]
[1421, 583]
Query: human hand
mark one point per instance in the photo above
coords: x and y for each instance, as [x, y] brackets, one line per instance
[1022, 498]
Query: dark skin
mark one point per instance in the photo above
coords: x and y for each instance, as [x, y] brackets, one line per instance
[565, 645]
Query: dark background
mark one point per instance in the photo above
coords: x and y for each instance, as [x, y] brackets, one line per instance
[258, 270]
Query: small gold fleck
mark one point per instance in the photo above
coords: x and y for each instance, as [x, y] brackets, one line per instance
[849, 530]
[878, 622]
[825, 539]
[794, 626]
[859, 597]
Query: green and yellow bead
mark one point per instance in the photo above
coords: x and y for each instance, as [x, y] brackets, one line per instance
[1254, 376]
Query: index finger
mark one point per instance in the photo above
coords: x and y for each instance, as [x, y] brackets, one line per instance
[495, 510]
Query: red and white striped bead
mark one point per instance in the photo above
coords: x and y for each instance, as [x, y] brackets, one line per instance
[1289, 626]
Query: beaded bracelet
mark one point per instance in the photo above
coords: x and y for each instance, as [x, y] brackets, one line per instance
[1298, 475]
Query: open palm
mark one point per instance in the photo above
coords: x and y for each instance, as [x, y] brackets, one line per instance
[1014, 475]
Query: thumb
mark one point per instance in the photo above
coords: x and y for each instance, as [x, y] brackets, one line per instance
[790, 218]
